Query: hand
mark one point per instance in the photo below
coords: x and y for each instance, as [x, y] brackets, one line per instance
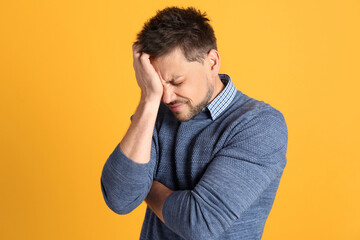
[146, 76]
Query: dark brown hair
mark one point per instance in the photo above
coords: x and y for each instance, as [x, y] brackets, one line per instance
[172, 27]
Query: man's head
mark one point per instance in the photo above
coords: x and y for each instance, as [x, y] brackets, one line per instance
[182, 46]
[174, 27]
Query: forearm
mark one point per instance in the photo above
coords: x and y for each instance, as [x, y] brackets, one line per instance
[156, 198]
[127, 174]
[136, 144]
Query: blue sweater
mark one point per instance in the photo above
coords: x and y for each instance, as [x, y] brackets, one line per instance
[224, 165]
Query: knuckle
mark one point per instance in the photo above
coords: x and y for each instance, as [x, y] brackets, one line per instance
[143, 56]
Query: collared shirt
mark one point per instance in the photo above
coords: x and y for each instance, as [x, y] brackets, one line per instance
[224, 167]
[218, 105]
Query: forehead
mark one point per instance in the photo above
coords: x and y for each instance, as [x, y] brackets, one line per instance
[174, 63]
[174, 57]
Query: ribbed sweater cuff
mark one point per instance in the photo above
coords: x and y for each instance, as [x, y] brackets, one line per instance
[127, 168]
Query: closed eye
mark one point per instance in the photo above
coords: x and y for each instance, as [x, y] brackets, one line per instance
[178, 83]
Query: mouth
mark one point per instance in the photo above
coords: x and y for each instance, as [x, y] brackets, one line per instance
[176, 108]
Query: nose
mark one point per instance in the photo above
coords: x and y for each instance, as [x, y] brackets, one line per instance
[168, 94]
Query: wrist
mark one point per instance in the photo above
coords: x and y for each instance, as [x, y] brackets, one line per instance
[150, 99]
[147, 109]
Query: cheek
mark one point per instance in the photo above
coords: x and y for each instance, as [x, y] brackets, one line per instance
[193, 88]
[194, 93]
[185, 92]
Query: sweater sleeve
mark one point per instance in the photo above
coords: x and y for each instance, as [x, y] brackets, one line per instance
[125, 183]
[239, 173]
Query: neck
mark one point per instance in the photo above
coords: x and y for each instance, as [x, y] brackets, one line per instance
[218, 87]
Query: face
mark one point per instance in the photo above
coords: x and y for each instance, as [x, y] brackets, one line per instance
[188, 86]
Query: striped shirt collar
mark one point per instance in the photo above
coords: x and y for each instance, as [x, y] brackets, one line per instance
[223, 100]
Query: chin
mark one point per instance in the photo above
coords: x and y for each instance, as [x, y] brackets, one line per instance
[187, 114]
[181, 118]
[184, 117]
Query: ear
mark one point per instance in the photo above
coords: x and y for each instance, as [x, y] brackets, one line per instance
[213, 59]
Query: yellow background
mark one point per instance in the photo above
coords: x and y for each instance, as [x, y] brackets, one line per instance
[68, 90]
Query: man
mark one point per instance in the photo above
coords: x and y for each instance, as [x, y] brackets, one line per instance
[206, 158]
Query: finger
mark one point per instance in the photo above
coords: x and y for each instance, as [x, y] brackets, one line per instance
[136, 47]
[145, 60]
[136, 51]
[146, 64]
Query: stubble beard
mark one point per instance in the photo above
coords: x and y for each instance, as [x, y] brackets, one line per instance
[195, 110]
